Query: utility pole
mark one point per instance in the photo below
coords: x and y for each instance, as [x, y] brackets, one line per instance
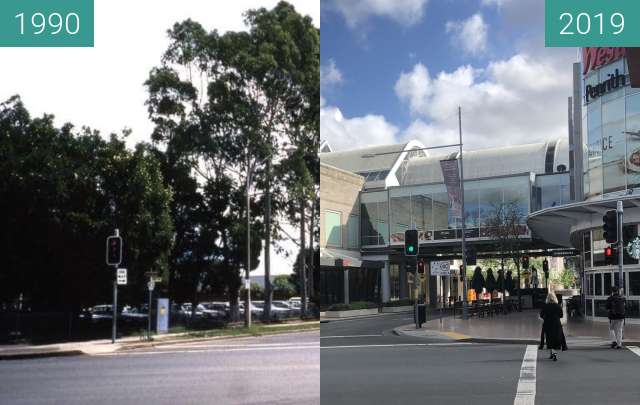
[247, 275]
[619, 212]
[465, 307]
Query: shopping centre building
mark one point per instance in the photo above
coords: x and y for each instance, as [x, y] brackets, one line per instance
[562, 189]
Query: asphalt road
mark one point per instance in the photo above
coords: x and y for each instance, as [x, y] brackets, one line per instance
[364, 363]
[278, 369]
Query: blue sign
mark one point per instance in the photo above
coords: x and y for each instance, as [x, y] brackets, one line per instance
[163, 316]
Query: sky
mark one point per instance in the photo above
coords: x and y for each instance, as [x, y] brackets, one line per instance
[102, 87]
[395, 70]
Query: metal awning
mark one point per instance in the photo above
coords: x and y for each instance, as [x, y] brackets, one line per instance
[559, 225]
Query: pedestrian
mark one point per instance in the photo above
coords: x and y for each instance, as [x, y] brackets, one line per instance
[554, 335]
[616, 308]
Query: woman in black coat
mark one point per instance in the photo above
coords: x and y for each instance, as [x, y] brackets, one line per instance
[554, 335]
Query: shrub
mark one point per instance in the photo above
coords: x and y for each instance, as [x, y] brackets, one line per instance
[353, 306]
[399, 303]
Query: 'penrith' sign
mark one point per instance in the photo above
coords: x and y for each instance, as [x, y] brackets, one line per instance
[614, 82]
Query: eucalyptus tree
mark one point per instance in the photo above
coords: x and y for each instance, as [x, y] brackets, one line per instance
[224, 105]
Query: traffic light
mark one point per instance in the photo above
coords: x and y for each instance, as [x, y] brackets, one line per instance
[610, 226]
[411, 242]
[610, 255]
[545, 267]
[525, 262]
[461, 268]
[472, 257]
[420, 266]
[114, 250]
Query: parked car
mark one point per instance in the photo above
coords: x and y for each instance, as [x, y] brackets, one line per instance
[101, 312]
[280, 310]
[293, 309]
[211, 311]
[133, 314]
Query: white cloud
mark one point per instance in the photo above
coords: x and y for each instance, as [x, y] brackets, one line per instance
[357, 12]
[469, 34]
[351, 133]
[513, 101]
[330, 75]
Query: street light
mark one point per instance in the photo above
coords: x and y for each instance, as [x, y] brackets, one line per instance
[465, 310]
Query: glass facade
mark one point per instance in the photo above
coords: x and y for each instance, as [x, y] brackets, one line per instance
[612, 154]
[551, 190]
[427, 207]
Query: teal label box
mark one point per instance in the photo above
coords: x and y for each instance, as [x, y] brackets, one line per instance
[592, 23]
[46, 23]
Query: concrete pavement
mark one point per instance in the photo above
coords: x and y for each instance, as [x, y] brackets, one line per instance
[516, 327]
[276, 369]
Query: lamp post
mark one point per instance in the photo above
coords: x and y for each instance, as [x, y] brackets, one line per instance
[465, 309]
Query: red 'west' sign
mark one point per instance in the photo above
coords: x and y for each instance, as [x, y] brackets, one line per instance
[594, 58]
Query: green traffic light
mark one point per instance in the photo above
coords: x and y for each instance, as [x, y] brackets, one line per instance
[410, 249]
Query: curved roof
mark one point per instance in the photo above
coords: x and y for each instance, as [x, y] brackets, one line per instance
[493, 162]
[365, 159]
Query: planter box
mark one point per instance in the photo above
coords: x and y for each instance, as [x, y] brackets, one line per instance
[348, 314]
[407, 308]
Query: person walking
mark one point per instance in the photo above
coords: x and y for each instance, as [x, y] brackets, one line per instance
[554, 335]
[616, 312]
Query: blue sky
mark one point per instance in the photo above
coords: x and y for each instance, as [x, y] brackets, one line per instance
[397, 69]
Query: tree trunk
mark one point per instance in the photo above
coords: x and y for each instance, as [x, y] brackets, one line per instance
[267, 248]
[311, 252]
[303, 272]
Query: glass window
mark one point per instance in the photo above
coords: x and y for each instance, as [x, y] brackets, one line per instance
[589, 307]
[632, 309]
[353, 225]
[594, 146]
[601, 308]
[471, 208]
[400, 217]
[589, 284]
[587, 248]
[394, 281]
[598, 246]
[441, 213]
[613, 145]
[607, 283]
[374, 209]
[605, 74]
[598, 283]
[633, 141]
[634, 283]
[333, 230]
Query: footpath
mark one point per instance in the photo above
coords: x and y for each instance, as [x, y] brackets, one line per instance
[516, 328]
[103, 346]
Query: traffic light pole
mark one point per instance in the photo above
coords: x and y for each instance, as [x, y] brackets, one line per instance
[619, 212]
[463, 276]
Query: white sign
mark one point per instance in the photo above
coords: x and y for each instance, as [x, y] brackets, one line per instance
[121, 276]
[151, 285]
[247, 283]
[441, 268]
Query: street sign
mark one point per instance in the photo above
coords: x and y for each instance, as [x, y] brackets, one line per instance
[247, 283]
[151, 285]
[121, 276]
[441, 268]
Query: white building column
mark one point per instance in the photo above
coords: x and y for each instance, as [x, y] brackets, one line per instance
[346, 285]
[385, 288]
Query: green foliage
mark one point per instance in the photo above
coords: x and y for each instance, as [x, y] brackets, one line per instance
[399, 303]
[282, 288]
[567, 279]
[357, 305]
[64, 193]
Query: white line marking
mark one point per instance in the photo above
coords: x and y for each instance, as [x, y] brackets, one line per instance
[526, 394]
[634, 349]
[209, 350]
[348, 336]
[398, 345]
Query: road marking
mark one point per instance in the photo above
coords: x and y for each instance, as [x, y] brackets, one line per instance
[348, 336]
[634, 349]
[238, 349]
[526, 394]
[397, 345]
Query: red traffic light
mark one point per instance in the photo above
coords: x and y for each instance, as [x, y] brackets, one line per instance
[608, 251]
[421, 266]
